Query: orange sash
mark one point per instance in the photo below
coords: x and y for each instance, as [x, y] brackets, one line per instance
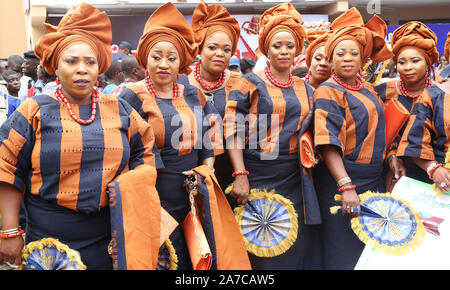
[231, 253]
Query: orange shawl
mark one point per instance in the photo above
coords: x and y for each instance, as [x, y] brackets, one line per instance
[82, 23]
[135, 220]
[230, 249]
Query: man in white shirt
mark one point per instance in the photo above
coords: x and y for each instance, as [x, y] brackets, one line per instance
[29, 68]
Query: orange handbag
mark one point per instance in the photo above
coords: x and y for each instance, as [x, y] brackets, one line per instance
[199, 250]
[307, 155]
[395, 116]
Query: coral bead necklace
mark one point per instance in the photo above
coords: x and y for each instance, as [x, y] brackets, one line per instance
[62, 98]
[152, 90]
[204, 85]
[404, 91]
[357, 87]
[275, 82]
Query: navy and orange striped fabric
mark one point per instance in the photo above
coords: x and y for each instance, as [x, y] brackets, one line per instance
[220, 226]
[265, 108]
[45, 152]
[388, 91]
[219, 97]
[352, 121]
[428, 127]
[180, 125]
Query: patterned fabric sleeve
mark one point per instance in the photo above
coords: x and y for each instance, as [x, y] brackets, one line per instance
[237, 109]
[329, 118]
[131, 98]
[381, 91]
[214, 128]
[420, 133]
[17, 137]
[142, 141]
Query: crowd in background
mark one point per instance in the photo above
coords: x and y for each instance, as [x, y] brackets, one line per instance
[22, 77]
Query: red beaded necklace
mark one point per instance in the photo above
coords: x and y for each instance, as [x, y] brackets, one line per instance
[60, 96]
[272, 79]
[152, 90]
[405, 93]
[357, 87]
[307, 77]
[205, 86]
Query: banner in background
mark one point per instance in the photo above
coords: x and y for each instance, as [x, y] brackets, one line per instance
[433, 253]
[248, 42]
[130, 28]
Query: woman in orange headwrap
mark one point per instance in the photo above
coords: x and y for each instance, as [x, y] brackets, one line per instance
[426, 140]
[316, 60]
[349, 133]
[264, 120]
[414, 48]
[216, 34]
[178, 114]
[63, 149]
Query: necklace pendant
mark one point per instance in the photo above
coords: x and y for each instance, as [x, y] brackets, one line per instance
[210, 97]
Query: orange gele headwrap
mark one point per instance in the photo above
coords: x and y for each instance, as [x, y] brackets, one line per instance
[315, 38]
[82, 23]
[168, 24]
[208, 19]
[282, 17]
[416, 35]
[447, 48]
[369, 36]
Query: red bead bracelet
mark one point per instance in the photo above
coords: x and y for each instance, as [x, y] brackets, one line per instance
[242, 172]
[12, 235]
[433, 169]
[346, 187]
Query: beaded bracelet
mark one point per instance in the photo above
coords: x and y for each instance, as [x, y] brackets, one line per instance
[341, 182]
[433, 169]
[434, 163]
[241, 172]
[346, 187]
[10, 230]
[12, 234]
